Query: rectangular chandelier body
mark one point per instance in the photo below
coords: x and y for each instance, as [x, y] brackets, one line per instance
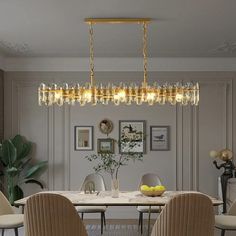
[155, 94]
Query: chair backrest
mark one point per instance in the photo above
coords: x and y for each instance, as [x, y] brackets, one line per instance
[188, 214]
[49, 214]
[232, 209]
[150, 179]
[98, 181]
[5, 206]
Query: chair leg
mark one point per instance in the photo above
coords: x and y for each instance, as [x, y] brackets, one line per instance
[102, 215]
[16, 231]
[223, 232]
[104, 218]
[141, 221]
[82, 216]
[3, 230]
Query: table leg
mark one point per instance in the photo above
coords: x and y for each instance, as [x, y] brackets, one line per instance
[149, 219]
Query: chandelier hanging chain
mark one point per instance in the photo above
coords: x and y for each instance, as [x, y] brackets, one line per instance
[91, 48]
[144, 53]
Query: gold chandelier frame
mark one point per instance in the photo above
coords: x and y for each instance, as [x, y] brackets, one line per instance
[91, 93]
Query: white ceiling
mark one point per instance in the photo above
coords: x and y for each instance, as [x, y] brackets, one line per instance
[181, 28]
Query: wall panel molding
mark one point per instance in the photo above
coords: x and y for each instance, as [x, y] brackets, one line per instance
[195, 148]
[179, 147]
[67, 146]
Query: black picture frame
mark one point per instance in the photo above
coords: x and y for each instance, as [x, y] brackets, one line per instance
[135, 128]
[81, 141]
[159, 138]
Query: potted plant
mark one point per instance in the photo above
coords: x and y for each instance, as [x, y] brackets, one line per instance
[112, 162]
[16, 166]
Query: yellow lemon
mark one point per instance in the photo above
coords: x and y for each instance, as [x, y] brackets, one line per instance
[160, 188]
[152, 188]
[144, 188]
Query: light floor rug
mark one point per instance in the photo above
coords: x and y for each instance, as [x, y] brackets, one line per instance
[94, 230]
[112, 230]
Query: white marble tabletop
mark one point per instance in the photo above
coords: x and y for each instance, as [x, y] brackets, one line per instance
[126, 198]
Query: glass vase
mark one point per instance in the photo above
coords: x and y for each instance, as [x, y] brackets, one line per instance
[115, 188]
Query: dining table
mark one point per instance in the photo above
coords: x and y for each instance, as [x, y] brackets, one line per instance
[126, 198]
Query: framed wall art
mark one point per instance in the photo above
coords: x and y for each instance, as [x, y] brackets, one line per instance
[132, 136]
[105, 145]
[83, 138]
[159, 138]
[106, 126]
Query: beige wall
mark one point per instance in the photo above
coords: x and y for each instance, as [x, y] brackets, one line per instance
[194, 130]
[1, 105]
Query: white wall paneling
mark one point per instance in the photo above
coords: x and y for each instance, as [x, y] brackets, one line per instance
[194, 130]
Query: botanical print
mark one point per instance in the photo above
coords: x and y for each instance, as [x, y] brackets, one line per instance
[132, 136]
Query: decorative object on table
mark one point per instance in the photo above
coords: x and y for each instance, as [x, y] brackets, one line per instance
[89, 187]
[152, 191]
[91, 93]
[106, 126]
[83, 138]
[226, 156]
[159, 138]
[105, 145]
[14, 156]
[111, 163]
[132, 133]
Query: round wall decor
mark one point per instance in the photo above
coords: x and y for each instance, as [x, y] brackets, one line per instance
[106, 126]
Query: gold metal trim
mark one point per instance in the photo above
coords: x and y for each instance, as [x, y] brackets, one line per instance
[116, 20]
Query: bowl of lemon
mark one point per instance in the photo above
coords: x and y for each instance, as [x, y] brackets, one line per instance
[152, 191]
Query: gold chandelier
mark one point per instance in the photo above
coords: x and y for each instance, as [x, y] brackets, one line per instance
[94, 94]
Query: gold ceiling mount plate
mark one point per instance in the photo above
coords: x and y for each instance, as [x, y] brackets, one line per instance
[116, 20]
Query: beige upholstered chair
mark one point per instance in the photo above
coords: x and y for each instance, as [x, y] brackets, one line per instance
[99, 185]
[227, 221]
[49, 214]
[9, 220]
[189, 214]
[150, 180]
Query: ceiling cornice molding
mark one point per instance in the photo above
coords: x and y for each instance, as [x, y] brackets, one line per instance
[117, 64]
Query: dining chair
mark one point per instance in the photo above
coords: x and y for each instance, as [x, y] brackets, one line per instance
[227, 221]
[8, 219]
[186, 214]
[149, 179]
[48, 214]
[97, 181]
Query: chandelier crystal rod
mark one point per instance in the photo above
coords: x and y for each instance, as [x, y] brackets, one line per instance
[94, 94]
